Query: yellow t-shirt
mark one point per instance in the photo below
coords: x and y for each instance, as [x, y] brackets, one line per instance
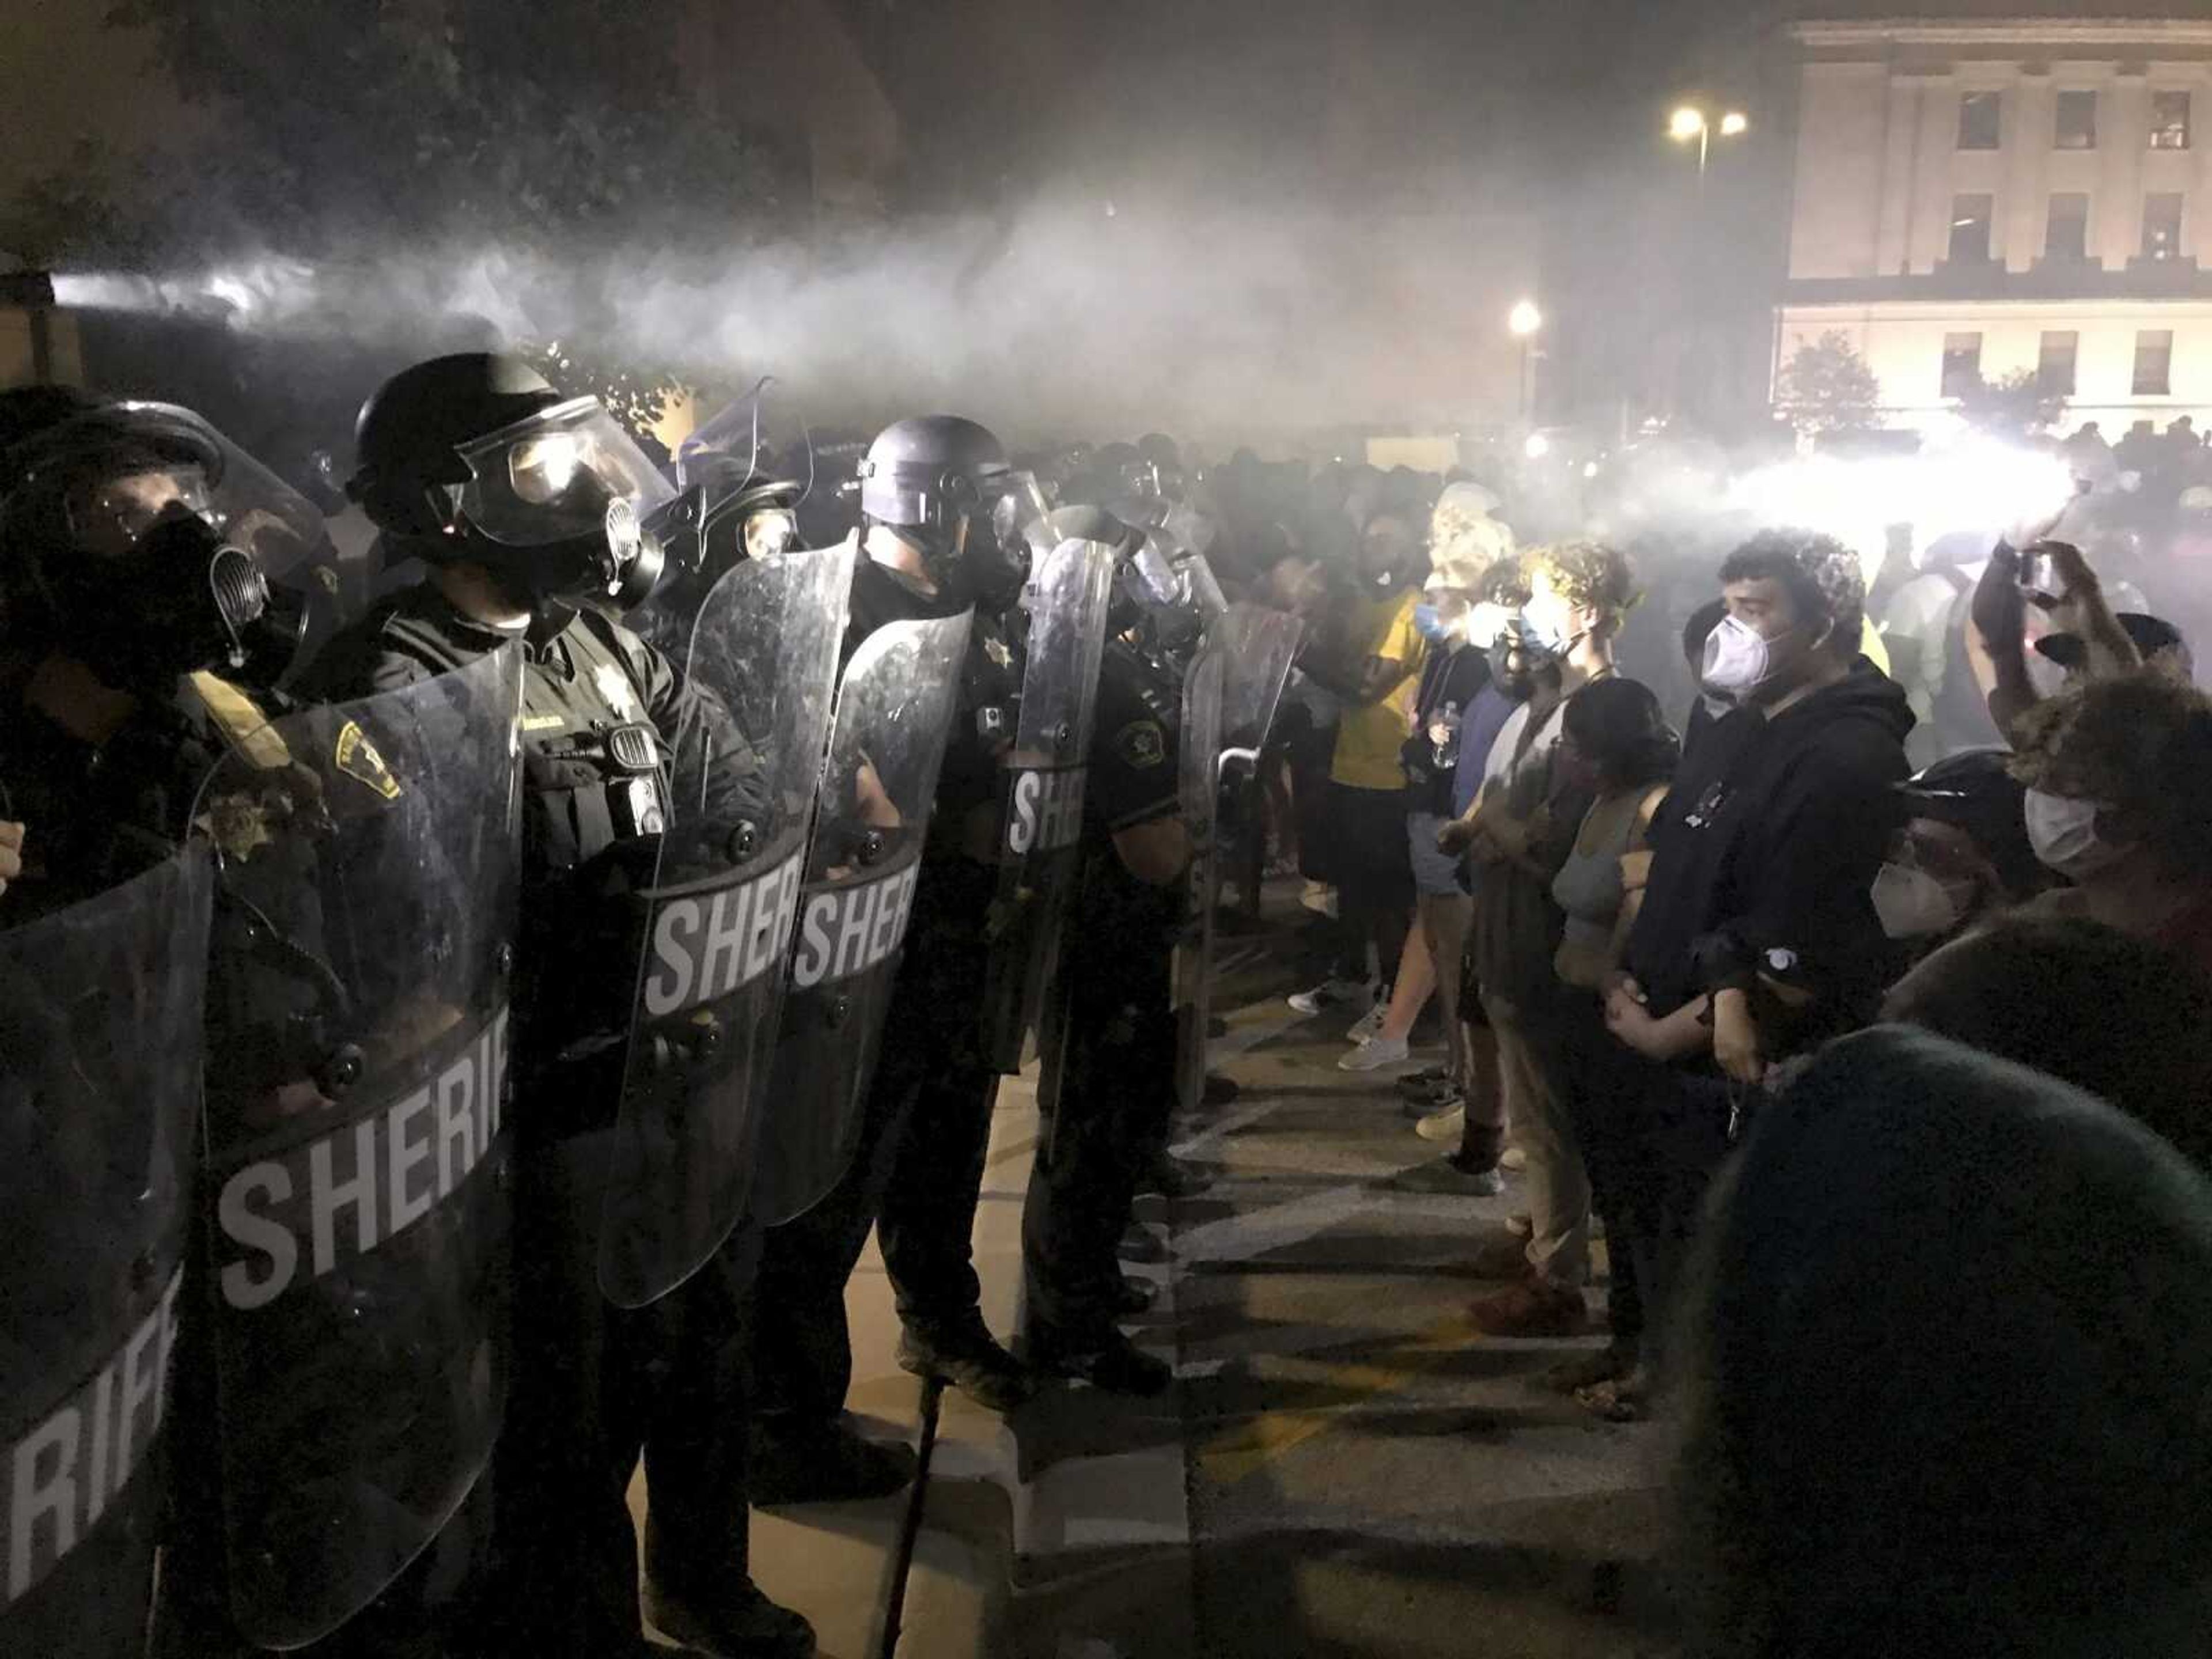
[1368, 739]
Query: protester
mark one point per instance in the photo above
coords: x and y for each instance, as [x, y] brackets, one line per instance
[1522, 830]
[1615, 744]
[1471, 1069]
[1757, 937]
[2119, 803]
[1948, 1373]
[1962, 853]
[1454, 676]
[1373, 671]
[2058, 581]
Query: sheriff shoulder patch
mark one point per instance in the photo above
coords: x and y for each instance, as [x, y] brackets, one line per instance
[1140, 744]
[356, 757]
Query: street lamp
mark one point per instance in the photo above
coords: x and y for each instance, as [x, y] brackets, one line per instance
[1524, 322]
[1690, 122]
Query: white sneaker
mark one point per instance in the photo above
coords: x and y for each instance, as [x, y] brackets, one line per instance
[1319, 897]
[1378, 1055]
[1447, 1126]
[1368, 1023]
[1330, 994]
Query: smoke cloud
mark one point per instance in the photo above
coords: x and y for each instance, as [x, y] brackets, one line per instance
[1079, 316]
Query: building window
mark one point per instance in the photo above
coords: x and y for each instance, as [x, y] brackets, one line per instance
[1962, 364]
[2067, 237]
[2162, 224]
[2169, 120]
[1980, 116]
[1970, 228]
[2054, 365]
[2077, 121]
[2154, 363]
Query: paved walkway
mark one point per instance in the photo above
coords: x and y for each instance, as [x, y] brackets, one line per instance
[1345, 1466]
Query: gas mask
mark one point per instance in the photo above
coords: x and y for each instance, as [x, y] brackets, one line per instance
[560, 507]
[184, 599]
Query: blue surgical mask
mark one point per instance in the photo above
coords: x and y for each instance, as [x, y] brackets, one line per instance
[1429, 624]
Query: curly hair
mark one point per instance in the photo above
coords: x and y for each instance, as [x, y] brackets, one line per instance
[1589, 575]
[1825, 582]
[1461, 530]
[2140, 743]
[1505, 582]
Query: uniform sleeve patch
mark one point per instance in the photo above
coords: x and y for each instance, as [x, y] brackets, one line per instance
[356, 757]
[1140, 744]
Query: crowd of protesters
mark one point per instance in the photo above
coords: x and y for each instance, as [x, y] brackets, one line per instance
[1864, 1013]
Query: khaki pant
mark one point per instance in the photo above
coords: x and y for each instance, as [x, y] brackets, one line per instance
[1543, 1124]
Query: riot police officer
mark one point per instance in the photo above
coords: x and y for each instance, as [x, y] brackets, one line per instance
[136, 545]
[1109, 1042]
[943, 514]
[524, 509]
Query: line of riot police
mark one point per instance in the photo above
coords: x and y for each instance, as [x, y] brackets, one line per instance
[444, 1068]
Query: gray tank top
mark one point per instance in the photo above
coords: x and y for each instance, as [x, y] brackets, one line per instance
[1589, 887]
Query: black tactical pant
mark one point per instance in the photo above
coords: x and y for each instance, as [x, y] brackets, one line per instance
[1106, 1088]
[595, 1386]
[917, 1173]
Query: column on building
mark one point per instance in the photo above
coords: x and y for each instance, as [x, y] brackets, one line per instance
[2032, 106]
[1932, 195]
[1900, 135]
[2122, 135]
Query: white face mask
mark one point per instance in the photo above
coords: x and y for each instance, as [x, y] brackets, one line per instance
[2062, 830]
[1913, 904]
[1737, 659]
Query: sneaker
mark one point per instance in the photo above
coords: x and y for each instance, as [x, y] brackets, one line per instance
[969, 1358]
[1425, 1083]
[1319, 897]
[1330, 994]
[1519, 1225]
[1447, 1126]
[733, 1621]
[1368, 1024]
[1379, 1054]
[1531, 1308]
[825, 1463]
[1513, 1158]
[1448, 1175]
[1105, 1360]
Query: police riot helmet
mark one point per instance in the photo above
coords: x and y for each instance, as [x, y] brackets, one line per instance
[475, 458]
[143, 543]
[945, 481]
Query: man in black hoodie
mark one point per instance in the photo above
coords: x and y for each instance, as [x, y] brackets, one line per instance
[1756, 937]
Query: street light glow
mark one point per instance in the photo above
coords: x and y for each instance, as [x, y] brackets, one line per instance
[1687, 124]
[1734, 124]
[1524, 320]
[1537, 448]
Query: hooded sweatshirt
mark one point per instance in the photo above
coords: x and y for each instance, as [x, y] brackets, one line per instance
[1765, 849]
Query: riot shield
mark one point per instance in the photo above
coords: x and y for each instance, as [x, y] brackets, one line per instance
[1042, 783]
[721, 907]
[895, 709]
[1229, 701]
[355, 1197]
[100, 1024]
